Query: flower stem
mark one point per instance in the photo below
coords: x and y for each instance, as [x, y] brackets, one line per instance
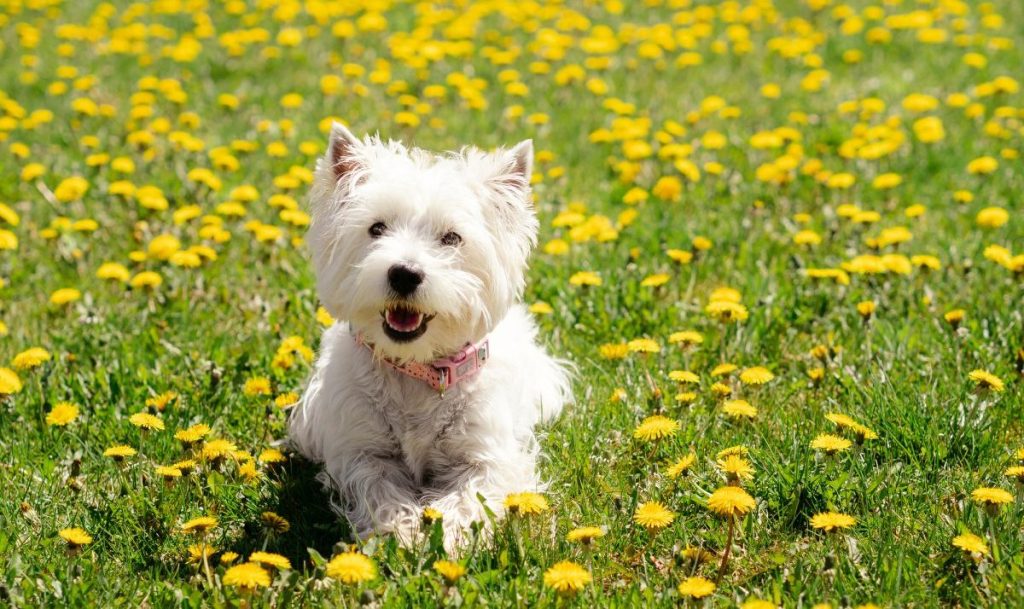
[994, 541]
[728, 547]
[206, 562]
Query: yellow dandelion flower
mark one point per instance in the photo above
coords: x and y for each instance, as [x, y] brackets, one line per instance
[249, 471]
[614, 350]
[273, 521]
[686, 397]
[806, 237]
[248, 576]
[200, 552]
[643, 345]
[739, 449]
[119, 452]
[258, 385]
[351, 568]
[526, 503]
[655, 428]
[272, 455]
[200, 524]
[217, 449]
[653, 516]
[324, 318]
[146, 279]
[680, 256]
[696, 587]
[832, 521]
[75, 537]
[654, 281]
[185, 465]
[758, 375]
[144, 420]
[731, 501]
[286, 400]
[541, 308]
[683, 376]
[228, 558]
[954, 317]
[987, 380]
[64, 296]
[971, 544]
[739, 409]
[990, 497]
[9, 382]
[585, 278]
[30, 358]
[866, 308]
[830, 444]
[168, 472]
[193, 434]
[681, 466]
[723, 369]
[736, 469]
[992, 217]
[567, 578]
[982, 165]
[269, 559]
[585, 535]
[843, 421]
[686, 338]
[62, 414]
[161, 400]
[430, 516]
[726, 312]
[450, 571]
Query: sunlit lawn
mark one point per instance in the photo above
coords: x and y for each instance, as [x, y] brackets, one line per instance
[792, 230]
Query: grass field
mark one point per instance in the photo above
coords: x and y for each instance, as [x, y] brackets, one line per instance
[824, 195]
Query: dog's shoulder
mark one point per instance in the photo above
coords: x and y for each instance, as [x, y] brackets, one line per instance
[516, 328]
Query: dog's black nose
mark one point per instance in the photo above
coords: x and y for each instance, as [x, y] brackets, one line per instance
[404, 280]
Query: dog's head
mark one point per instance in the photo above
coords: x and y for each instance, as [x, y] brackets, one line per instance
[420, 252]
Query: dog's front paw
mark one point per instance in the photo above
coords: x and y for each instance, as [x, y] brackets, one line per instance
[404, 524]
[402, 521]
[459, 515]
[408, 535]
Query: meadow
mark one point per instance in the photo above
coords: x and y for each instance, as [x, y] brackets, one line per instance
[781, 240]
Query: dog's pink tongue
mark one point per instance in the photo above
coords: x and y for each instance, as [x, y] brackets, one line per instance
[404, 321]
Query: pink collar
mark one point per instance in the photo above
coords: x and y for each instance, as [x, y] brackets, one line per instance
[444, 373]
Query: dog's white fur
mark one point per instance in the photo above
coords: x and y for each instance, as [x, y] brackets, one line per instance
[390, 444]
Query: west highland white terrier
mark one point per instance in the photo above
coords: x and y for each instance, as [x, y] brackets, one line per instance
[427, 390]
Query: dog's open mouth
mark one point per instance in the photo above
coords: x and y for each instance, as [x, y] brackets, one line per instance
[403, 323]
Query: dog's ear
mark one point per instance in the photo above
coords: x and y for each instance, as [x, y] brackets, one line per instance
[511, 214]
[341, 150]
[511, 172]
[521, 162]
[509, 183]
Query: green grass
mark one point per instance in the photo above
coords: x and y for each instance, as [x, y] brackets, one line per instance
[204, 332]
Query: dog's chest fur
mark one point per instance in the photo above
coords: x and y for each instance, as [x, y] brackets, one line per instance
[423, 425]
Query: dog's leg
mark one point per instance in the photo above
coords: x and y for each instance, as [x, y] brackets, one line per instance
[379, 494]
[361, 457]
[490, 477]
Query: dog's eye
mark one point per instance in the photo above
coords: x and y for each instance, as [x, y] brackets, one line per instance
[451, 238]
[378, 229]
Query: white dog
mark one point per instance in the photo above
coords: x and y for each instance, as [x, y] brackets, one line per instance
[427, 393]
